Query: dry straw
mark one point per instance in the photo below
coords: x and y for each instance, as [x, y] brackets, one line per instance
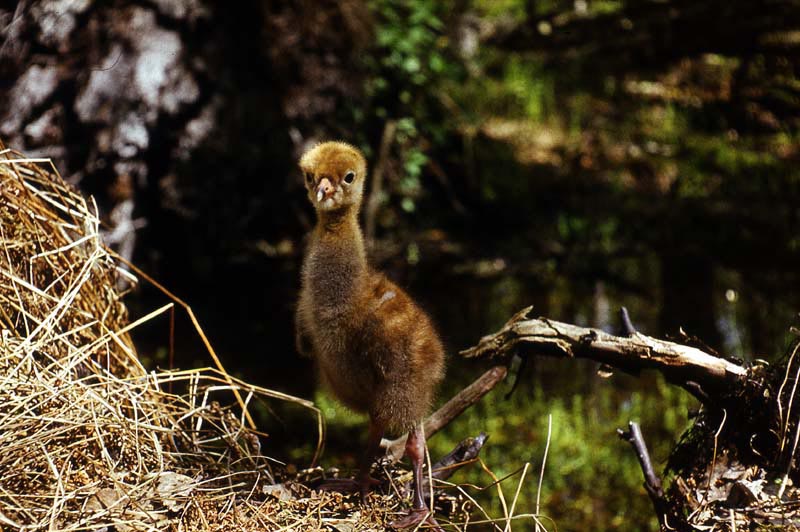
[88, 437]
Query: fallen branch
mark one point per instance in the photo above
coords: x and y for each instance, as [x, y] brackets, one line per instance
[452, 409]
[697, 371]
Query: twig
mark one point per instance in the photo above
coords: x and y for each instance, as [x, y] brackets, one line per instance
[696, 390]
[627, 326]
[464, 453]
[521, 366]
[785, 427]
[498, 484]
[544, 461]
[516, 496]
[375, 199]
[651, 481]
[714, 455]
[217, 362]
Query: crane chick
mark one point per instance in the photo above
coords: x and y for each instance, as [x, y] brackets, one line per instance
[375, 349]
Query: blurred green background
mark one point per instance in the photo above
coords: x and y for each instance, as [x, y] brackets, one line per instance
[574, 155]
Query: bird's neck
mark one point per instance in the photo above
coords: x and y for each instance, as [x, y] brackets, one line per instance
[341, 223]
[337, 262]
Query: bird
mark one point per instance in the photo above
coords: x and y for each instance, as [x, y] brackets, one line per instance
[375, 349]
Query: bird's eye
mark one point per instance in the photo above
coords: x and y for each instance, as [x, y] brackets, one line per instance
[349, 177]
[309, 177]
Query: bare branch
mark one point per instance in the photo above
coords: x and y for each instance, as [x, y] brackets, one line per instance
[680, 364]
[652, 483]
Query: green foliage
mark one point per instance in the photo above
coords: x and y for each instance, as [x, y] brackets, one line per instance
[508, 8]
[531, 87]
[592, 480]
[410, 61]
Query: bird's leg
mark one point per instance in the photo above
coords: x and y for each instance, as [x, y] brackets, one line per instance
[363, 481]
[415, 450]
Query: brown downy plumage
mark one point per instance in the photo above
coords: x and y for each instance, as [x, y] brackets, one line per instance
[376, 350]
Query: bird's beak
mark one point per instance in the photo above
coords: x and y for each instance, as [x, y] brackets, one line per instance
[324, 189]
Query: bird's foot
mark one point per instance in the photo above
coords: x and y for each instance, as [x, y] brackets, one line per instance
[414, 518]
[361, 484]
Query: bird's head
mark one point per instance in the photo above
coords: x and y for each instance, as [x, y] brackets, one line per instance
[334, 174]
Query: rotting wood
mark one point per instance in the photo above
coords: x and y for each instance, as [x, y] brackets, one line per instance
[450, 410]
[683, 365]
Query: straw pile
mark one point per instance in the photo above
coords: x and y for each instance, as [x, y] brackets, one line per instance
[88, 437]
[91, 439]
